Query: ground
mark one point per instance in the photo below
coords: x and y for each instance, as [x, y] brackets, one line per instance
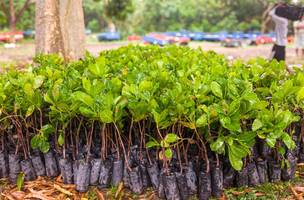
[25, 51]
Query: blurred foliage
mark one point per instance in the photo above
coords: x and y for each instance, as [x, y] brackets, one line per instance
[141, 16]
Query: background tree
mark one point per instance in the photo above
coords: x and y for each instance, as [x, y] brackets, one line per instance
[13, 10]
[60, 28]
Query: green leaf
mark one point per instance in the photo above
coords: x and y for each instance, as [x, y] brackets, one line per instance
[218, 145]
[106, 116]
[171, 138]
[84, 98]
[98, 68]
[38, 81]
[86, 84]
[44, 147]
[300, 94]
[201, 121]
[87, 112]
[256, 125]
[20, 180]
[151, 144]
[35, 142]
[30, 111]
[235, 161]
[61, 138]
[216, 89]
[168, 153]
[288, 141]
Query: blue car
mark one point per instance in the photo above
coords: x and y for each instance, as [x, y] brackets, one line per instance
[29, 34]
[155, 41]
[108, 36]
[215, 37]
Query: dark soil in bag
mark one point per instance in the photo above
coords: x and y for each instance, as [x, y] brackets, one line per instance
[288, 173]
[51, 164]
[262, 170]
[83, 176]
[95, 171]
[171, 188]
[153, 171]
[191, 178]
[66, 168]
[14, 167]
[38, 165]
[253, 175]
[28, 170]
[105, 173]
[242, 178]
[204, 185]
[229, 176]
[182, 185]
[274, 171]
[145, 176]
[136, 184]
[117, 173]
[3, 165]
[217, 181]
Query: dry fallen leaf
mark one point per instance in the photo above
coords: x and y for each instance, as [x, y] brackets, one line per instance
[57, 187]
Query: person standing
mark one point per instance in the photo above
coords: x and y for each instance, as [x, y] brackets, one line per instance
[281, 31]
[299, 37]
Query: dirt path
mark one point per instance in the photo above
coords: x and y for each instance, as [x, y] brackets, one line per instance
[25, 52]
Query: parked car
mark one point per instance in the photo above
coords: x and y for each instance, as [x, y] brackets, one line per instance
[263, 39]
[152, 40]
[108, 36]
[9, 36]
[215, 37]
[232, 42]
[165, 38]
[134, 38]
[29, 33]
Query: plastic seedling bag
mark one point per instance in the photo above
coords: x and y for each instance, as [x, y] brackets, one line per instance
[136, 184]
[105, 173]
[161, 186]
[191, 178]
[153, 171]
[145, 176]
[182, 185]
[66, 168]
[170, 187]
[242, 178]
[75, 169]
[14, 167]
[217, 181]
[274, 171]
[117, 173]
[229, 176]
[95, 171]
[28, 170]
[51, 164]
[38, 164]
[83, 176]
[262, 168]
[3, 165]
[204, 185]
[288, 172]
[253, 175]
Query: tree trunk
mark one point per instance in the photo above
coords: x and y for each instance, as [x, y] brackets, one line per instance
[60, 28]
[12, 18]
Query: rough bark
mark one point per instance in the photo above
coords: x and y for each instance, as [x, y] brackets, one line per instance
[12, 19]
[60, 28]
